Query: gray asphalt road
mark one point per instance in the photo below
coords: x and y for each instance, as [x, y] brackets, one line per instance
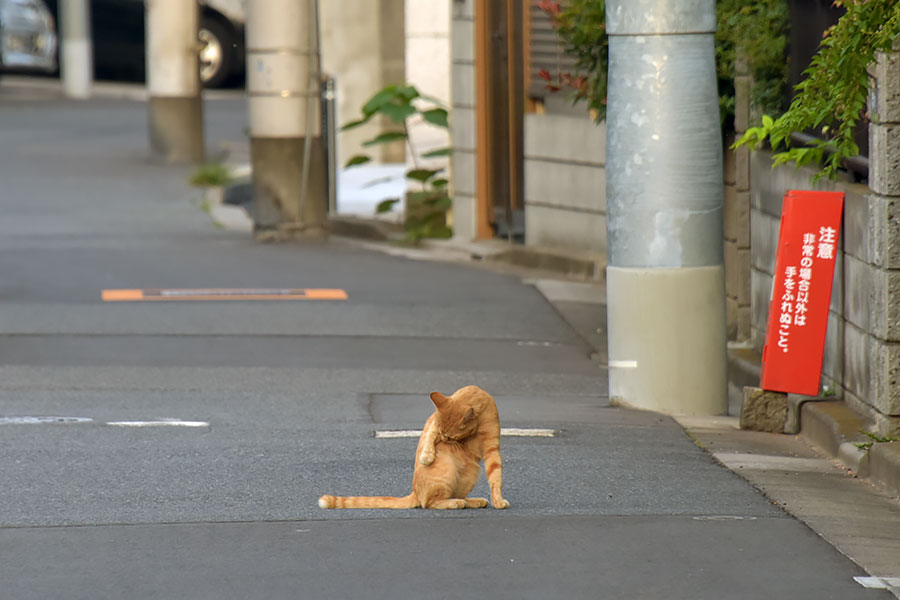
[447, 557]
[289, 394]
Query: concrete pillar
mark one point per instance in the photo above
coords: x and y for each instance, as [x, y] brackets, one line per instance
[290, 197]
[665, 280]
[173, 81]
[76, 57]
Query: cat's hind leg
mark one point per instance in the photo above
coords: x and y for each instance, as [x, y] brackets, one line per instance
[441, 497]
[450, 503]
[493, 468]
[454, 503]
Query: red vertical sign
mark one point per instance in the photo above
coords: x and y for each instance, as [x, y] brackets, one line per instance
[801, 294]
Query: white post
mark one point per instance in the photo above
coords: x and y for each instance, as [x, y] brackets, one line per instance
[286, 144]
[173, 80]
[76, 59]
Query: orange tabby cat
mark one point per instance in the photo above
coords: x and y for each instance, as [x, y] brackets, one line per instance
[463, 431]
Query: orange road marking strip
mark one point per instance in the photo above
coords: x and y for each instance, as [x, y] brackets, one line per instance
[326, 294]
[178, 295]
[122, 295]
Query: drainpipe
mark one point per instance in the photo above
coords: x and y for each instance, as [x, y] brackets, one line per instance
[76, 57]
[173, 81]
[665, 279]
[287, 149]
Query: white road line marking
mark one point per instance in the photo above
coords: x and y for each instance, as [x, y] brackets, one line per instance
[160, 423]
[516, 432]
[401, 433]
[42, 420]
[878, 583]
[509, 432]
[31, 420]
[623, 364]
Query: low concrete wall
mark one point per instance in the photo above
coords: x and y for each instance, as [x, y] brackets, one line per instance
[565, 182]
[862, 351]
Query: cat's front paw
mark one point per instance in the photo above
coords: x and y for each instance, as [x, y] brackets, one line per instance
[426, 458]
[500, 503]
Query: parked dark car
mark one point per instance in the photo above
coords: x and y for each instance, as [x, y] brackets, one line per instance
[117, 31]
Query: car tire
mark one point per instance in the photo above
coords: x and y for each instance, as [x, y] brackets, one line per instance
[218, 58]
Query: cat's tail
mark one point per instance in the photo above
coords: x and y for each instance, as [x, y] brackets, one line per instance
[327, 501]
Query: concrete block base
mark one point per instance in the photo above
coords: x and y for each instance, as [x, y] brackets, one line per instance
[762, 410]
[282, 208]
[176, 128]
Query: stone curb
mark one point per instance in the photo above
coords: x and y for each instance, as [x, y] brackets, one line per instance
[832, 427]
[586, 265]
[884, 466]
[366, 229]
[835, 428]
[581, 264]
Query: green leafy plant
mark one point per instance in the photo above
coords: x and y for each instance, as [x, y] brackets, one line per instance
[427, 206]
[757, 33]
[211, 175]
[581, 25]
[757, 30]
[873, 439]
[832, 98]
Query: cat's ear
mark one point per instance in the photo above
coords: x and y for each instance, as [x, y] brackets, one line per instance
[440, 400]
[470, 416]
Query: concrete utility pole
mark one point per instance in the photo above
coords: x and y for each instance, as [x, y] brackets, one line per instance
[76, 68]
[665, 279]
[173, 80]
[286, 145]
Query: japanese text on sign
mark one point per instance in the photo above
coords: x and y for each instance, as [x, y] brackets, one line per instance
[798, 312]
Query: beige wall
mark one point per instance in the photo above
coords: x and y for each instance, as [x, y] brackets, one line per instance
[428, 65]
[462, 119]
[362, 47]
